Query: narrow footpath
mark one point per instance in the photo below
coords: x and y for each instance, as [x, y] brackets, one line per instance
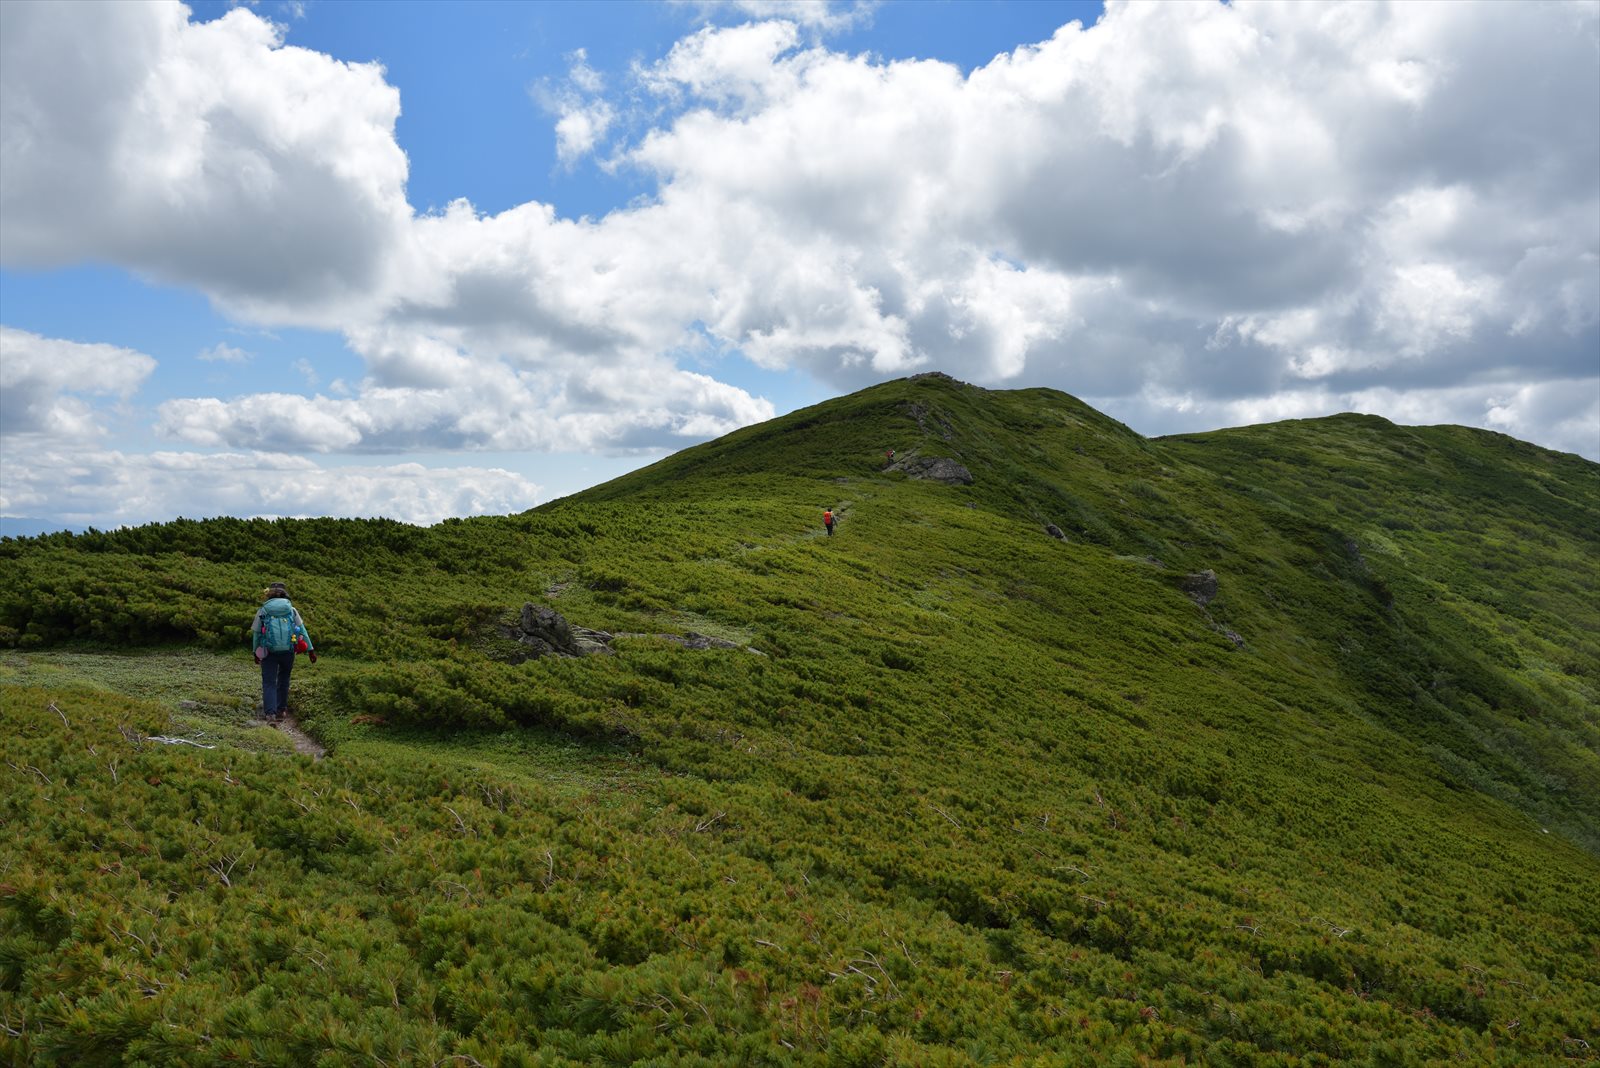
[303, 742]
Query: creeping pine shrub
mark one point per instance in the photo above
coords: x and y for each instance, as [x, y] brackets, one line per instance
[984, 796]
[422, 694]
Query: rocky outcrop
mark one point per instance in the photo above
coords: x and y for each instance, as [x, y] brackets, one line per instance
[690, 640]
[924, 415]
[543, 631]
[1201, 587]
[934, 469]
[1054, 531]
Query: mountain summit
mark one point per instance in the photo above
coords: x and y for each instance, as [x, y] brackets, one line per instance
[1274, 745]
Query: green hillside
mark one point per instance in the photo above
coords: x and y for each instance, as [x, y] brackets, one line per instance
[955, 790]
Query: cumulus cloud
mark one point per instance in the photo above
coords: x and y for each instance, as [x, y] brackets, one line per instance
[1250, 176]
[580, 128]
[222, 352]
[582, 115]
[54, 466]
[824, 16]
[44, 382]
[203, 154]
[113, 488]
[737, 65]
[1187, 210]
[493, 406]
[1560, 414]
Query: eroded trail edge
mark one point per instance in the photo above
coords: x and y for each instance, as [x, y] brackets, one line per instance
[303, 742]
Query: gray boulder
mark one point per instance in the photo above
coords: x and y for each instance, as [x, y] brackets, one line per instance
[1201, 587]
[935, 469]
[924, 415]
[700, 641]
[543, 631]
[540, 631]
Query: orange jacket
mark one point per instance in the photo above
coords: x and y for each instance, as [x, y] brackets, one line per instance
[827, 517]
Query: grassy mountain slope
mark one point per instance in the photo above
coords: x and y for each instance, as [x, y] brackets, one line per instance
[969, 794]
[1488, 550]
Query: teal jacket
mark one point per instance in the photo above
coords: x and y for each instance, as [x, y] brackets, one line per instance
[258, 628]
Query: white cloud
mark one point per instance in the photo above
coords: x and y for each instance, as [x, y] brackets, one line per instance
[582, 116]
[43, 382]
[739, 65]
[1563, 415]
[79, 485]
[222, 352]
[203, 154]
[268, 420]
[1186, 208]
[1560, 415]
[494, 407]
[580, 128]
[826, 16]
[1425, 306]
[1241, 196]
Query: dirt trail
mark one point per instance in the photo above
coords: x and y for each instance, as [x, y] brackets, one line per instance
[303, 742]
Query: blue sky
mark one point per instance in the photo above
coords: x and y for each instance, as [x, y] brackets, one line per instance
[425, 259]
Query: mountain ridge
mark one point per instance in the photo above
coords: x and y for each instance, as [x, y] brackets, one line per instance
[989, 796]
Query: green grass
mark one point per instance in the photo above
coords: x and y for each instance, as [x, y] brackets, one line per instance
[980, 796]
[207, 697]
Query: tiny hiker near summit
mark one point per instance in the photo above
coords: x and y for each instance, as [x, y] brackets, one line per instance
[277, 634]
[827, 520]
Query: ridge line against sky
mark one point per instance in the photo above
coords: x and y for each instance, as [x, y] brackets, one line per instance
[424, 260]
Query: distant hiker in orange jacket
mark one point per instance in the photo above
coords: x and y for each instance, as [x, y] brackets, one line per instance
[827, 520]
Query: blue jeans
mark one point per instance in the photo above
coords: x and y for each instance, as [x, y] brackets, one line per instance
[275, 668]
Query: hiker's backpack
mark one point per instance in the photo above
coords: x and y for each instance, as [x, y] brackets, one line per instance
[277, 625]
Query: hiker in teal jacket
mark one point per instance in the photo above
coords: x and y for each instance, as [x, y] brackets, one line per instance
[277, 634]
